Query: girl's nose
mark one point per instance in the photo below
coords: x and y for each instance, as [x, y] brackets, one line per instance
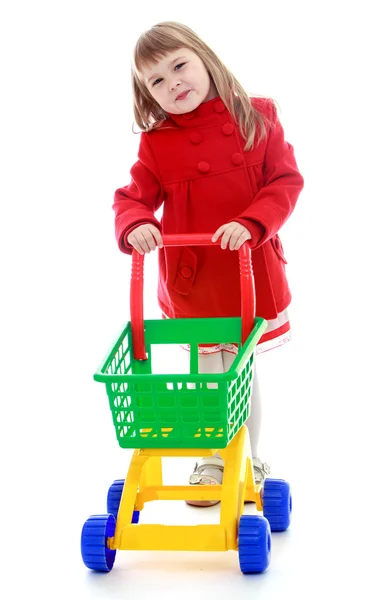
[174, 84]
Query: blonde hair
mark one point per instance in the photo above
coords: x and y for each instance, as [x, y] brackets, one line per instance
[168, 36]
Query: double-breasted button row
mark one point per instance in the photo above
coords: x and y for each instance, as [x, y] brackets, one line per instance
[196, 137]
[227, 129]
[236, 158]
[219, 107]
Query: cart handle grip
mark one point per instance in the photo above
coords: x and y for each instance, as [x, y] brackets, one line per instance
[189, 239]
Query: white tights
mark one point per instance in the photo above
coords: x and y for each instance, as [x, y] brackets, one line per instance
[220, 362]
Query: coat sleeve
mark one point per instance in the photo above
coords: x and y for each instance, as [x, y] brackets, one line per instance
[136, 203]
[275, 201]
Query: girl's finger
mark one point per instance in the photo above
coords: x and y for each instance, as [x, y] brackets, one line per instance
[135, 244]
[150, 240]
[227, 235]
[142, 242]
[219, 232]
[234, 238]
[241, 240]
[157, 236]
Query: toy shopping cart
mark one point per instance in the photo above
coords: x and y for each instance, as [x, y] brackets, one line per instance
[183, 415]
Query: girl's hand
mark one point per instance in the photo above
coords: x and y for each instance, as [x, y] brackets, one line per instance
[234, 233]
[145, 238]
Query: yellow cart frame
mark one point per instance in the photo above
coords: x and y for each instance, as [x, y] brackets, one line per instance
[144, 484]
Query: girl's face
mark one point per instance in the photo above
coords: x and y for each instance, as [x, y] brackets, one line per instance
[179, 82]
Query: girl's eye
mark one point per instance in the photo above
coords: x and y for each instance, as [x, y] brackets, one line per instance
[175, 68]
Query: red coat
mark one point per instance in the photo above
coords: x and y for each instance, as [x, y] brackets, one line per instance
[196, 165]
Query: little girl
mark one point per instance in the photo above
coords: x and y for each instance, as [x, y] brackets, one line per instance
[218, 162]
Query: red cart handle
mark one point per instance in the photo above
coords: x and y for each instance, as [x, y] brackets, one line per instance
[189, 239]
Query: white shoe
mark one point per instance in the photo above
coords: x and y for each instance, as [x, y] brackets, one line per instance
[208, 472]
[260, 470]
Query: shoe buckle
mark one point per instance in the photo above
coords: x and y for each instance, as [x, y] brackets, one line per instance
[266, 468]
[195, 478]
[260, 470]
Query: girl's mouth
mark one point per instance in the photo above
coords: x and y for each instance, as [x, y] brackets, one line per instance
[183, 95]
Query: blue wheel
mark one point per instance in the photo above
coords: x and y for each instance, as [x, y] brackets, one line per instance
[114, 499]
[95, 552]
[277, 504]
[254, 544]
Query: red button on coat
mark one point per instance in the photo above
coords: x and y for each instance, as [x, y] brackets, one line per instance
[189, 115]
[228, 128]
[195, 137]
[219, 107]
[237, 158]
[186, 272]
[203, 166]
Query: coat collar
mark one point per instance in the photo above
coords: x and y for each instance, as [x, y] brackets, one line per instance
[212, 111]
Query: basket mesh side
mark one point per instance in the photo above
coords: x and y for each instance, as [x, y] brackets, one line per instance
[163, 411]
[171, 410]
[120, 363]
[239, 396]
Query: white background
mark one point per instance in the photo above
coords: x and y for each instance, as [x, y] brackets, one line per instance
[66, 145]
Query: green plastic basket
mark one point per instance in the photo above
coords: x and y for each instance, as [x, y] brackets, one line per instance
[179, 410]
